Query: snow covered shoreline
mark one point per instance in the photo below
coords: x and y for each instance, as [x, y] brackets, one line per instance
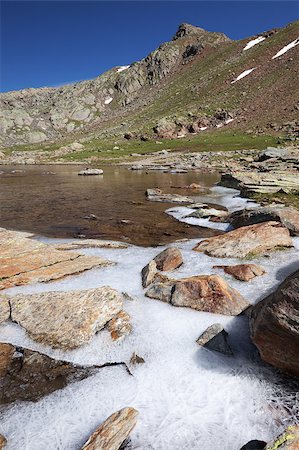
[187, 396]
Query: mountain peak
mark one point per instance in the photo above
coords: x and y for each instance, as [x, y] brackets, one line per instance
[185, 29]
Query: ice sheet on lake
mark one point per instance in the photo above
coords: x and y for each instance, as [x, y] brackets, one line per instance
[286, 48]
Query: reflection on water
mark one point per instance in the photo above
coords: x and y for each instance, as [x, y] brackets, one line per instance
[54, 201]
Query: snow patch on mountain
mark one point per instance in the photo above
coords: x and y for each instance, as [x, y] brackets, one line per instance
[243, 74]
[253, 42]
[286, 48]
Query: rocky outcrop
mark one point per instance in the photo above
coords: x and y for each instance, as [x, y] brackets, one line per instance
[215, 338]
[114, 431]
[274, 326]
[209, 293]
[247, 242]
[24, 260]
[243, 272]
[28, 375]
[66, 320]
[287, 216]
[157, 195]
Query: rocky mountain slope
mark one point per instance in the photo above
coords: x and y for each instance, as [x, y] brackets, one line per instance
[198, 80]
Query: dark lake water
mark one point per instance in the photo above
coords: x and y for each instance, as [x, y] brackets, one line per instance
[53, 201]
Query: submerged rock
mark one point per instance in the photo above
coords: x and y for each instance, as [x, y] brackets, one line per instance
[91, 172]
[156, 195]
[114, 431]
[274, 326]
[243, 272]
[215, 338]
[247, 241]
[209, 293]
[287, 216]
[66, 320]
[29, 375]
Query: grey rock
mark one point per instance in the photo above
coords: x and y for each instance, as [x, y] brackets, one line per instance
[215, 338]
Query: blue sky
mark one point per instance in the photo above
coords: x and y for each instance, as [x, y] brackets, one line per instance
[51, 43]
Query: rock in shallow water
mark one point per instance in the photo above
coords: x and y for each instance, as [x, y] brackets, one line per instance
[156, 195]
[66, 320]
[247, 241]
[114, 431]
[209, 293]
[274, 326]
[254, 445]
[91, 172]
[243, 272]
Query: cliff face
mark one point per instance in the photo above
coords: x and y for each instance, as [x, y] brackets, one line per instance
[191, 74]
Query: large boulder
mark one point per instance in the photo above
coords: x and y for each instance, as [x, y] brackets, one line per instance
[274, 326]
[288, 216]
[243, 272]
[28, 375]
[247, 241]
[66, 320]
[114, 431]
[209, 293]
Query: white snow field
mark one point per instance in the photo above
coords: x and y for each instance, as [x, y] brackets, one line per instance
[253, 42]
[286, 48]
[188, 397]
[242, 75]
[108, 100]
[122, 68]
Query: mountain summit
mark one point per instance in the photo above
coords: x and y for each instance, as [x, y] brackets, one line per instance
[199, 80]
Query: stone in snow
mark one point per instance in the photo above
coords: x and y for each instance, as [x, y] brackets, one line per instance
[114, 431]
[91, 172]
[66, 320]
[247, 241]
[27, 375]
[243, 272]
[209, 293]
[215, 338]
